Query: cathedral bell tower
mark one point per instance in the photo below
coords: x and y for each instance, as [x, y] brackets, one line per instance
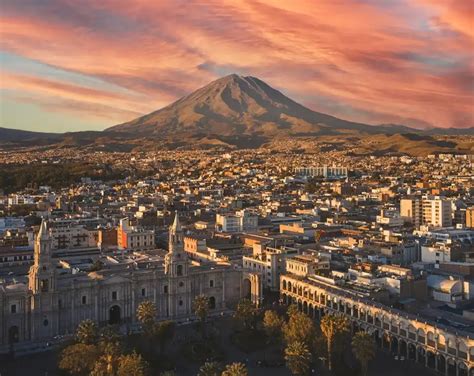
[42, 285]
[178, 289]
[176, 260]
[42, 275]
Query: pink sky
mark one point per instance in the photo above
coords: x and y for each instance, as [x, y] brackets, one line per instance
[77, 65]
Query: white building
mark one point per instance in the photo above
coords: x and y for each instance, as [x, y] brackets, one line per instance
[241, 221]
[270, 262]
[390, 218]
[437, 211]
[322, 171]
[434, 211]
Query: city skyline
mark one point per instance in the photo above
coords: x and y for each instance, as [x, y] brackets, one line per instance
[69, 67]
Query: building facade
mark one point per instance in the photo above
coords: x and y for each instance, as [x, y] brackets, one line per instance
[441, 348]
[54, 303]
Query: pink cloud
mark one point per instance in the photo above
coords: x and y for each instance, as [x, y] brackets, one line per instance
[366, 58]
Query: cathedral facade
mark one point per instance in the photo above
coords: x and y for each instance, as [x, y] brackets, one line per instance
[54, 303]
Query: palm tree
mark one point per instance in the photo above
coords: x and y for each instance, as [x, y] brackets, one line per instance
[363, 347]
[235, 369]
[210, 369]
[298, 358]
[146, 315]
[331, 326]
[201, 309]
[87, 332]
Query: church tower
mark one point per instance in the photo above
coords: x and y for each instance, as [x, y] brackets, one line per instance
[176, 260]
[42, 275]
[178, 288]
[42, 285]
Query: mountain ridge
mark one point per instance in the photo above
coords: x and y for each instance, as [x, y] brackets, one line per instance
[236, 112]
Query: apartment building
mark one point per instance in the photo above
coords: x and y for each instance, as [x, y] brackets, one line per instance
[270, 262]
[240, 221]
[433, 211]
[134, 238]
[322, 171]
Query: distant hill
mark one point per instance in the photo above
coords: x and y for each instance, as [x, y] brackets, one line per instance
[237, 112]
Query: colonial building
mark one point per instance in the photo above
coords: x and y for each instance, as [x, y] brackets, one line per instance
[55, 300]
[443, 348]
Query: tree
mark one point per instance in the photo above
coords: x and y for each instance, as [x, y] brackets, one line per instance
[164, 332]
[132, 365]
[146, 315]
[299, 328]
[292, 309]
[298, 358]
[246, 314]
[332, 326]
[235, 369]
[201, 309]
[363, 347]
[87, 332]
[79, 359]
[210, 369]
[272, 324]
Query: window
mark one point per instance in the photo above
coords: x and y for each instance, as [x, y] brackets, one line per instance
[143, 292]
[44, 285]
[13, 308]
[166, 289]
[179, 270]
[84, 299]
[45, 322]
[211, 283]
[181, 284]
[180, 302]
[114, 295]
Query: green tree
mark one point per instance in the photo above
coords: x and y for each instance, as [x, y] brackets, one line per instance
[201, 309]
[146, 315]
[298, 358]
[164, 332]
[299, 328]
[363, 347]
[331, 327]
[273, 324]
[132, 365]
[87, 332]
[246, 314]
[79, 359]
[210, 369]
[235, 369]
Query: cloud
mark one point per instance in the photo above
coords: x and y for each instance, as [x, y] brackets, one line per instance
[371, 61]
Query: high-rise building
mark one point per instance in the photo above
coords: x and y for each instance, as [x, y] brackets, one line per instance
[411, 208]
[437, 211]
[433, 211]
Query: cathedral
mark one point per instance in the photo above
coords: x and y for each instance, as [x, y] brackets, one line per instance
[55, 301]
